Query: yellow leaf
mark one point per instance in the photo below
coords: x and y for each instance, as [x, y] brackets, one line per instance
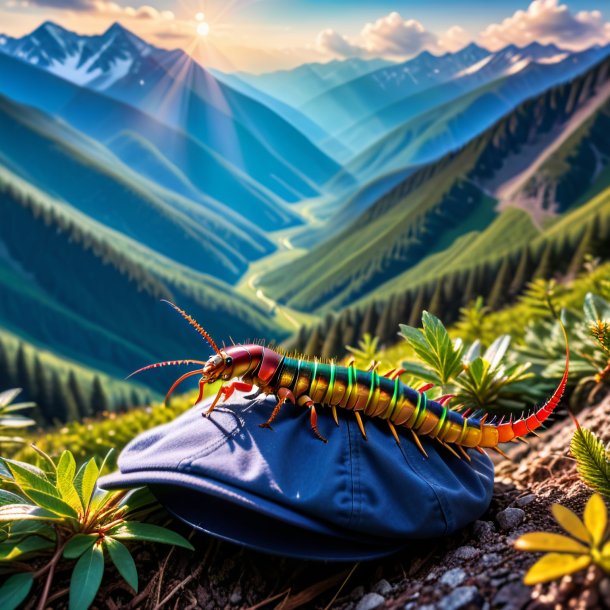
[606, 550]
[571, 523]
[546, 541]
[555, 565]
[596, 518]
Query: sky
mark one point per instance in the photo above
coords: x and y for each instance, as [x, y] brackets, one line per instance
[265, 35]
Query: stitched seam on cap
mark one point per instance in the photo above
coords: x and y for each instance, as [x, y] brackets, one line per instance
[351, 466]
[422, 475]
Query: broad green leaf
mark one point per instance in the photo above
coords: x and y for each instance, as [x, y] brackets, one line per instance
[78, 544]
[497, 351]
[8, 497]
[555, 565]
[546, 541]
[571, 523]
[52, 503]
[596, 518]
[86, 578]
[66, 470]
[5, 473]
[9, 551]
[8, 396]
[99, 499]
[17, 512]
[27, 479]
[85, 481]
[122, 559]
[146, 531]
[15, 421]
[14, 591]
[20, 406]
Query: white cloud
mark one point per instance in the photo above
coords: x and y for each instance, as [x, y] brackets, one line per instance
[454, 39]
[140, 12]
[390, 36]
[330, 41]
[393, 35]
[548, 21]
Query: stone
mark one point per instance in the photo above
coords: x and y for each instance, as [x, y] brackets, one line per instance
[371, 601]
[510, 518]
[466, 553]
[383, 587]
[462, 598]
[453, 578]
[513, 596]
[235, 597]
[481, 529]
[357, 592]
[525, 500]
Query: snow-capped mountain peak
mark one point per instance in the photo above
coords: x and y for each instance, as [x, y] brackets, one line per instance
[95, 61]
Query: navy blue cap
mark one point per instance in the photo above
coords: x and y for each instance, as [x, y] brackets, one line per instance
[285, 492]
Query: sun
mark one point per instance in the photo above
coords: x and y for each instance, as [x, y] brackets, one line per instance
[203, 28]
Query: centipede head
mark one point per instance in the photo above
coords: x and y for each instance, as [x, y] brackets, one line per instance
[218, 364]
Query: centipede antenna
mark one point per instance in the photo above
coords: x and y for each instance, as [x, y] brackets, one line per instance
[167, 363]
[195, 324]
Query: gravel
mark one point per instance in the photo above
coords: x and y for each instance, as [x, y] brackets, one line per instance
[371, 601]
[510, 518]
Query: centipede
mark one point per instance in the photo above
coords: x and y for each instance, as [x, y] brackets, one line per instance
[311, 383]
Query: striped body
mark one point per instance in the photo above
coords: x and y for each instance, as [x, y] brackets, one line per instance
[373, 395]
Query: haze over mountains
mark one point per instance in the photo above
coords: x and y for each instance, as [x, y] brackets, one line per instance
[164, 179]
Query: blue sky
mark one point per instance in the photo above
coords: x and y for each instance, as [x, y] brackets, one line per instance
[261, 35]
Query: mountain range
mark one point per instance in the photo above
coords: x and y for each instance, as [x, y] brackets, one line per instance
[261, 201]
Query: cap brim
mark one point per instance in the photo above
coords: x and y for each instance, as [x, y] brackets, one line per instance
[249, 520]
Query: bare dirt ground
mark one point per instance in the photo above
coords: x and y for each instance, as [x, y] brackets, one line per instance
[476, 568]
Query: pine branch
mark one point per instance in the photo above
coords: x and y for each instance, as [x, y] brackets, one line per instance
[592, 460]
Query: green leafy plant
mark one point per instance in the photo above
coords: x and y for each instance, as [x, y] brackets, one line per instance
[472, 320]
[10, 417]
[588, 542]
[492, 381]
[589, 337]
[367, 350]
[59, 514]
[592, 460]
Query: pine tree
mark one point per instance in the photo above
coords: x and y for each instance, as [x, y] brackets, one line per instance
[314, 343]
[585, 246]
[370, 319]
[42, 391]
[437, 302]
[6, 370]
[499, 293]
[544, 269]
[23, 372]
[385, 326]
[523, 272]
[333, 346]
[418, 307]
[82, 404]
[64, 404]
[99, 399]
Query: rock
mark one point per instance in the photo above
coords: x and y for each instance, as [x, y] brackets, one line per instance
[513, 596]
[462, 598]
[383, 587]
[604, 590]
[357, 592]
[482, 529]
[490, 559]
[510, 518]
[235, 597]
[453, 578]
[371, 601]
[466, 553]
[525, 500]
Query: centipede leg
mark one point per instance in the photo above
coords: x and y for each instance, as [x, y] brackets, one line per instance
[393, 431]
[418, 443]
[360, 425]
[306, 401]
[227, 391]
[284, 395]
